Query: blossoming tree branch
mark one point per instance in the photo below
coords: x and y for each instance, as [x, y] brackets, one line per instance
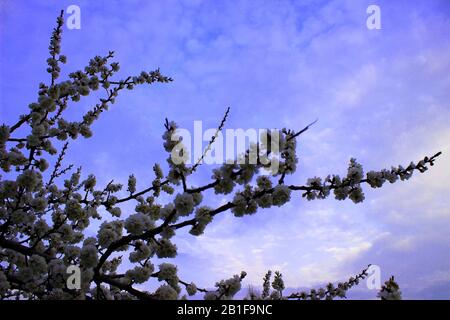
[45, 212]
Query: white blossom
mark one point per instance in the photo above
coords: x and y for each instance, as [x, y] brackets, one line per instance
[132, 184]
[355, 171]
[166, 249]
[375, 179]
[265, 201]
[211, 295]
[29, 180]
[39, 203]
[158, 172]
[138, 223]
[109, 232]
[167, 210]
[280, 195]
[264, 183]
[356, 195]
[191, 289]
[89, 257]
[390, 290]
[184, 203]
[203, 217]
[140, 274]
[166, 292]
[72, 252]
[240, 204]
[37, 264]
[167, 272]
[142, 251]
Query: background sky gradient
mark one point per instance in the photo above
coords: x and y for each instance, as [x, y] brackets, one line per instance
[381, 96]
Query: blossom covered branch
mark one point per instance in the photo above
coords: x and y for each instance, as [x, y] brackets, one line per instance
[44, 215]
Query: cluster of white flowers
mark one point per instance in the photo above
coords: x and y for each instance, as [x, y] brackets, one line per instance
[184, 203]
[330, 291]
[225, 178]
[226, 289]
[37, 264]
[114, 211]
[375, 179]
[148, 207]
[57, 271]
[167, 210]
[140, 274]
[240, 205]
[30, 180]
[74, 210]
[158, 171]
[67, 234]
[211, 295]
[341, 191]
[280, 195]
[265, 201]
[21, 217]
[132, 184]
[390, 175]
[101, 293]
[203, 218]
[166, 249]
[355, 172]
[71, 253]
[390, 290]
[109, 232]
[278, 283]
[142, 251]
[39, 203]
[169, 144]
[89, 183]
[191, 289]
[166, 292]
[247, 172]
[350, 186]
[167, 233]
[86, 279]
[243, 205]
[266, 285]
[264, 183]
[247, 202]
[197, 197]
[167, 271]
[356, 195]
[12, 158]
[318, 190]
[288, 147]
[89, 255]
[138, 223]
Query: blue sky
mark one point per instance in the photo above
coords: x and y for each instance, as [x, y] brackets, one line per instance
[381, 96]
